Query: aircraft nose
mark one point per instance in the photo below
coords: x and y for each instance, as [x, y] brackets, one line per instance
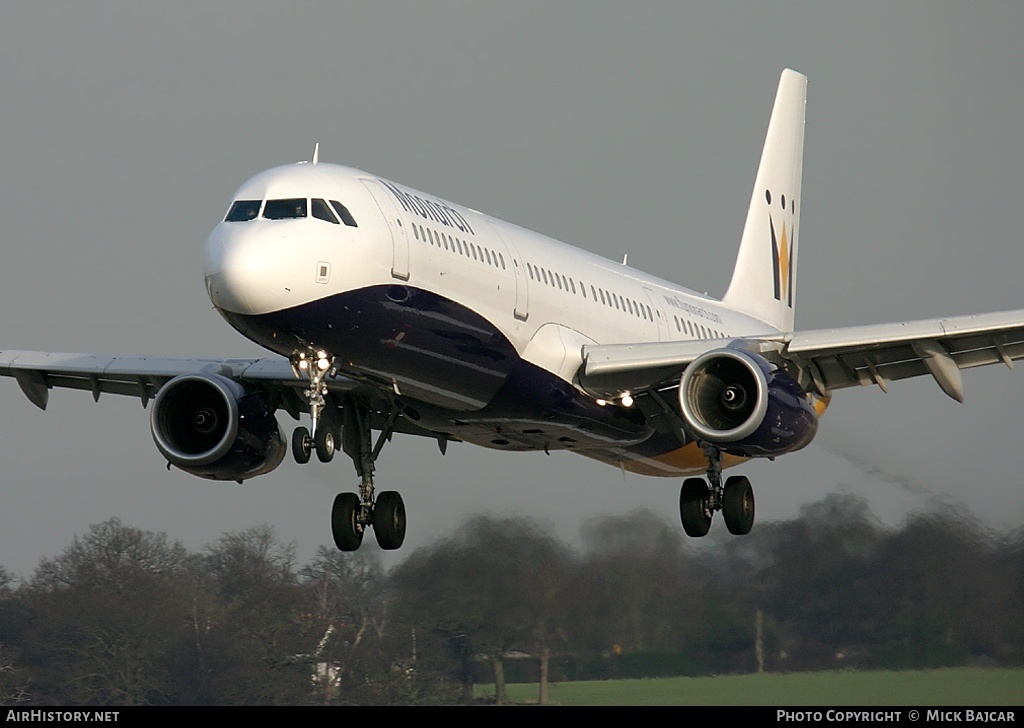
[241, 269]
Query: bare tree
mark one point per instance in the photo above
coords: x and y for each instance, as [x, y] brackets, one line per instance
[106, 610]
[638, 590]
[255, 635]
[348, 625]
[492, 587]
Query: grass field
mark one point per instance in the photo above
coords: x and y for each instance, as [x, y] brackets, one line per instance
[963, 686]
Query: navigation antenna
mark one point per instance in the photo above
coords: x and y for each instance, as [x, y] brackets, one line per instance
[316, 153]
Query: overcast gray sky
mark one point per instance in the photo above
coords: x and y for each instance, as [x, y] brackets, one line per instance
[618, 127]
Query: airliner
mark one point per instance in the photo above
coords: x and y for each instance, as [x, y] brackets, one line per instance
[389, 310]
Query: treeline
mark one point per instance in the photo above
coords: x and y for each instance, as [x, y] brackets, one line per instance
[127, 617]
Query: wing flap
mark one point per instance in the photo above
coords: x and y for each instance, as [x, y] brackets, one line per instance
[142, 376]
[38, 371]
[827, 359]
[865, 355]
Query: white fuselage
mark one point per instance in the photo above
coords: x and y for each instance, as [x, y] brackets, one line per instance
[272, 279]
[536, 290]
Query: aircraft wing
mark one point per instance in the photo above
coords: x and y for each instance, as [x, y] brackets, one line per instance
[37, 372]
[829, 359]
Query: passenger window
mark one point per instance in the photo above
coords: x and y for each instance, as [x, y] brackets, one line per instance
[243, 210]
[343, 213]
[322, 212]
[284, 209]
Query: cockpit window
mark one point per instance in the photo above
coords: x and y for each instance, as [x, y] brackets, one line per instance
[243, 210]
[322, 212]
[343, 213]
[282, 209]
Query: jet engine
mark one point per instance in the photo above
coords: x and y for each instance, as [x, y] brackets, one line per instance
[745, 405]
[213, 427]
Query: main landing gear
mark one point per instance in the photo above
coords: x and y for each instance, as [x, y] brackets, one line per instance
[352, 513]
[698, 502]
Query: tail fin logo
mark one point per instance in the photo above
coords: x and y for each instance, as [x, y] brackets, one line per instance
[783, 245]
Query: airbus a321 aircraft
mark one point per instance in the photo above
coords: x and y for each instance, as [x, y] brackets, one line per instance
[394, 311]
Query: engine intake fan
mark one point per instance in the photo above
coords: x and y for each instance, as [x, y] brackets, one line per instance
[213, 427]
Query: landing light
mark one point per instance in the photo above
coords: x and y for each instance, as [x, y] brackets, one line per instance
[601, 402]
[322, 363]
[303, 364]
[627, 400]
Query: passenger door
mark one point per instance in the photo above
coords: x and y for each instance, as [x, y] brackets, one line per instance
[399, 237]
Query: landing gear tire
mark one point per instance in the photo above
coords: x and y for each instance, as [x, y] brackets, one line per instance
[345, 527]
[324, 443]
[695, 507]
[389, 520]
[738, 505]
[302, 445]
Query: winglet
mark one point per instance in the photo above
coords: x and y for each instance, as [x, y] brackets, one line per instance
[764, 280]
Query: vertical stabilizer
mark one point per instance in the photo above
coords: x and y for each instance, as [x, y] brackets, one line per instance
[764, 281]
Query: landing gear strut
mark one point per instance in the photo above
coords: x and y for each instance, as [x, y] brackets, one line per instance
[315, 365]
[352, 513]
[698, 502]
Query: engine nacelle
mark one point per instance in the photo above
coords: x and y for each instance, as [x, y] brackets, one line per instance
[213, 427]
[745, 405]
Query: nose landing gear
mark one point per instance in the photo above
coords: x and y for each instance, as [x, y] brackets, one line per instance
[315, 365]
